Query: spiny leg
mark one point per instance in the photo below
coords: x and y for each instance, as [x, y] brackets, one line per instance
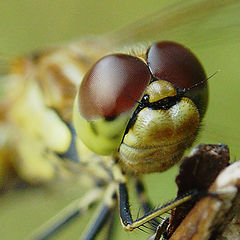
[160, 230]
[145, 202]
[103, 214]
[141, 193]
[75, 209]
[125, 214]
[124, 209]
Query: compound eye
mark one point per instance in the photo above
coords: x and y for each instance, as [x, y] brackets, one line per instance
[112, 86]
[174, 63]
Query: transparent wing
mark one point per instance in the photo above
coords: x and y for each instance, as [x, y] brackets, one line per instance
[191, 22]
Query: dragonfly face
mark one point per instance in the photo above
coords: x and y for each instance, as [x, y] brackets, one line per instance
[137, 106]
[125, 123]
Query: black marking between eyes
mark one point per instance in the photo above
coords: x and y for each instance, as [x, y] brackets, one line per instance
[163, 104]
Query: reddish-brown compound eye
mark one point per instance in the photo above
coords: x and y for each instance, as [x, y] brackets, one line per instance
[174, 63]
[112, 86]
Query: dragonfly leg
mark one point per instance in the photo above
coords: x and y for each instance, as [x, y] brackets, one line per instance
[125, 213]
[75, 209]
[103, 214]
[124, 209]
[160, 230]
[141, 193]
[145, 201]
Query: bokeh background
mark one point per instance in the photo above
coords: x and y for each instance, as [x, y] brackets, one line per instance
[27, 25]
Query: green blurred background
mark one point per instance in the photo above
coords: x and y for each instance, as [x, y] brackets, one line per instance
[29, 24]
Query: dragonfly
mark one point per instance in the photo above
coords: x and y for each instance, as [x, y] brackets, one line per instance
[59, 96]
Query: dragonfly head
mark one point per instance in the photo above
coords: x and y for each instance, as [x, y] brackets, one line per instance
[145, 109]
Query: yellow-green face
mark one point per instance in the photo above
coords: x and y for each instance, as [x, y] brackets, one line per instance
[106, 100]
[148, 109]
[101, 136]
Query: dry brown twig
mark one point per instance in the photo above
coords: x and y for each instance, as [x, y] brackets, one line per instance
[207, 169]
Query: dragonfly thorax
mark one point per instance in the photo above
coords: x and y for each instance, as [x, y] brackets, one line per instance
[159, 131]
